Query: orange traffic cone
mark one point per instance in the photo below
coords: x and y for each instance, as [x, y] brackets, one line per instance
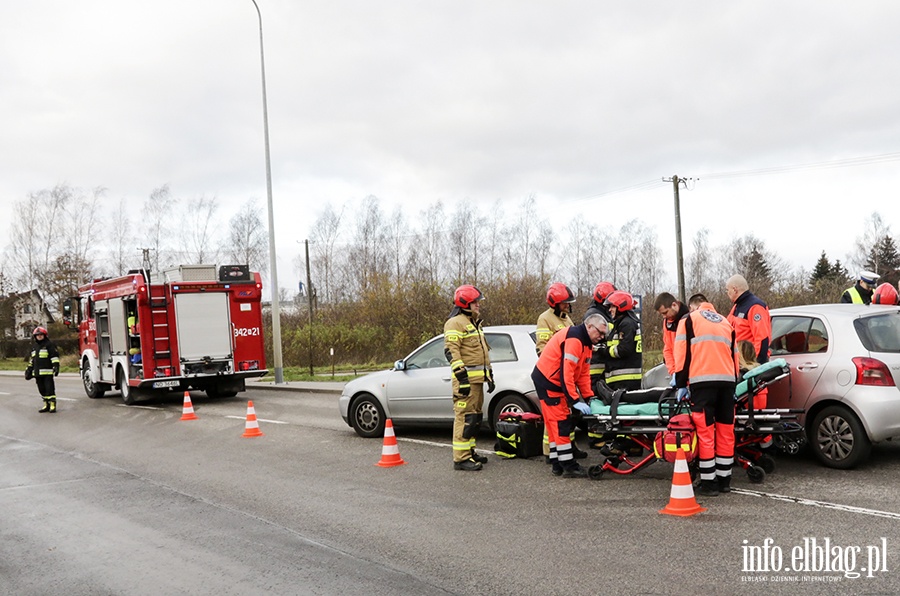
[188, 412]
[390, 452]
[252, 427]
[681, 499]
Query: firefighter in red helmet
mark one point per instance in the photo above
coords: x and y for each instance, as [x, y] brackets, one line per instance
[706, 361]
[560, 299]
[467, 352]
[884, 294]
[624, 351]
[43, 367]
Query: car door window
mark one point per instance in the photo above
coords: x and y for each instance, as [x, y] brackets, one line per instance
[790, 335]
[818, 337]
[430, 356]
[502, 349]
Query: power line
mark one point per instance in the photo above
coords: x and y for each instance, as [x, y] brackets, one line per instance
[837, 163]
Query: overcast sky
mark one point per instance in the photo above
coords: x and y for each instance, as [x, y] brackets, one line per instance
[417, 101]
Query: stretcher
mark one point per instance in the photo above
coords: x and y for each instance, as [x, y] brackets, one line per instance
[639, 423]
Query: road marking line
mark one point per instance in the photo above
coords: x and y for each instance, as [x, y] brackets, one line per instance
[436, 444]
[5, 393]
[66, 399]
[139, 407]
[822, 504]
[260, 420]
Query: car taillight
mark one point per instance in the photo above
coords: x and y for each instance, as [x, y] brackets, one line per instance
[870, 371]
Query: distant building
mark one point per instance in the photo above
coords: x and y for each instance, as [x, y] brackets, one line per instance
[28, 311]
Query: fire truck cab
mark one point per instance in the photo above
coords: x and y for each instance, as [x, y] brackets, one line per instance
[192, 327]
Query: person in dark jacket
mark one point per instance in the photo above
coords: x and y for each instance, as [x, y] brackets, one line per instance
[861, 292]
[43, 367]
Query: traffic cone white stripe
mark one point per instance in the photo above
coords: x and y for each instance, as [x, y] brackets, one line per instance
[681, 492]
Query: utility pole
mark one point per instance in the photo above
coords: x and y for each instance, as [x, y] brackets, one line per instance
[679, 254]
[309, 301]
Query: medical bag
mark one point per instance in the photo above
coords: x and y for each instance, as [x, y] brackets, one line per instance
[680, 432]
[519, 435]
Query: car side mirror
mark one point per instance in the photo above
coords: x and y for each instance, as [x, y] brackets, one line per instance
[400, 365]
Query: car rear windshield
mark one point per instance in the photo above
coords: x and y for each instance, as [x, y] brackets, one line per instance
[880, 333]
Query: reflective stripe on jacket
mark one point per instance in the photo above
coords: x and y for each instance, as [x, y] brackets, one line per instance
[624, 350]
[563, 368]
[705, 348]
[549, 323]
[465, 344]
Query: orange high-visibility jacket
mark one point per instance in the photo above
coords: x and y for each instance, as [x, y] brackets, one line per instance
[564, 366]
[751, 321]
[705, 348]
[670, 329]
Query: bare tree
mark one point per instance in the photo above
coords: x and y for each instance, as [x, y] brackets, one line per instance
[197, 241]
[874, 229]
[123, 249]
[157, 213]
[248, 238]
[323, 239]
[701, 272]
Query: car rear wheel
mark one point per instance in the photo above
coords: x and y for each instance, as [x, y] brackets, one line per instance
[367, 416]
[838, 438]
[512, 403]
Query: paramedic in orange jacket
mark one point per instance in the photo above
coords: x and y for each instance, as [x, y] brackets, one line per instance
[751, 322]
[562, 372]
[706, 360]
[672, 311]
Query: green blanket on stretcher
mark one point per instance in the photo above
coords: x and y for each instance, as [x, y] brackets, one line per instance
[763, 372]
[625, 409]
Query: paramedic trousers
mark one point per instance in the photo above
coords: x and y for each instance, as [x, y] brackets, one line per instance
[467, 418]
[712, 410]
[559, 426]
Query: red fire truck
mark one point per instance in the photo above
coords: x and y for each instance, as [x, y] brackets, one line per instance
[192, 327]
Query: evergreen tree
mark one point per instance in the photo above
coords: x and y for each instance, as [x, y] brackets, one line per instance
[756, 269]
[883, 257]
[822, 270]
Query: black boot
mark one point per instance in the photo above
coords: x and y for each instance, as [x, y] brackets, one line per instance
[46, 407]
[578, 453]
[708, 488]
[557, 469]
[482, 459]
[469, 465]
[574, 470]
[724, 484]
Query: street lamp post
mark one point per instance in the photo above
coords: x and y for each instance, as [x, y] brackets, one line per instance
[276, 307]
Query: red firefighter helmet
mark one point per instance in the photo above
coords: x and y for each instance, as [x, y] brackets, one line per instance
[39, 331]
[884, 294]
[464, 296]
[621, 300]
[603, 289]
[559, 293]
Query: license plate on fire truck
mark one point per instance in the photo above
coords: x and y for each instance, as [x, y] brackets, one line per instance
[162, 384]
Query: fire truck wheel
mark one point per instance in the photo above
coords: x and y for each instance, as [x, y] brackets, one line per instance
[93, 390]
[129, 394]
[213, 392]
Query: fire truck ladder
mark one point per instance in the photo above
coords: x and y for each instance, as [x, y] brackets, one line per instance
[159, 317]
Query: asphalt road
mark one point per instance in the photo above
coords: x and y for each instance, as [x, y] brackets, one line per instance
[102, 498]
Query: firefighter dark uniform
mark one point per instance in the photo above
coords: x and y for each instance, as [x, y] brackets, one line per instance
[624, 357]
[561, 373]
[467, 352]
[706, 360]
[43, 367]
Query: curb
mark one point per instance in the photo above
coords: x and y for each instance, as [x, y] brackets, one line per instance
[305, 388]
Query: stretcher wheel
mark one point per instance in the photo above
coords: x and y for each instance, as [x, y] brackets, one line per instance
[756, 474]
[595, 472]
[767, 463]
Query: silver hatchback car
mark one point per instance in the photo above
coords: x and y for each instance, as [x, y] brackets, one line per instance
[417, 390]
[845, 365]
